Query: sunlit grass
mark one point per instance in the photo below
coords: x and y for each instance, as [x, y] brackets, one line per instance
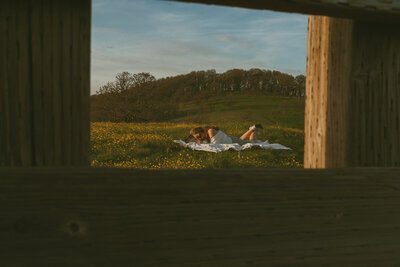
[151, 146]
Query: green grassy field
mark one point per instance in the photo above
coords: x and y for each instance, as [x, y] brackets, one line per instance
[150, 145]
[286, 112]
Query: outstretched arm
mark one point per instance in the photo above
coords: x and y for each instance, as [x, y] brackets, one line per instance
[212, 132]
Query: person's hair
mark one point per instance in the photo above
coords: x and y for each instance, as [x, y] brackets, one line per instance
[203, 131]
[190, 138]
[197, 130]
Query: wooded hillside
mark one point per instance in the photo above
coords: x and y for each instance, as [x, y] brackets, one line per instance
[141, 98]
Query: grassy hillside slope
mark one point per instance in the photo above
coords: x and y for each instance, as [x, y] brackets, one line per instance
[287, 112]
[150, 145]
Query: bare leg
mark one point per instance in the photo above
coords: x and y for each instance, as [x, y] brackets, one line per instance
[249, 135]
[253, 136]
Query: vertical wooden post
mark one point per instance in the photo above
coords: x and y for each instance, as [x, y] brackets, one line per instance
[352, 94]
[375, 95]
[44, 82]
[327, 92]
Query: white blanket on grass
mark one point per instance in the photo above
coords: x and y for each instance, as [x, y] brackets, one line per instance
[223, 147]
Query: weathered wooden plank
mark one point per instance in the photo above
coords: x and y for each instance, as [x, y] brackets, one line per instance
[328, 92]
[56, 81]
[375, 82]
[82, 32]
[352, 94]
[4, 118]
[69, 216]
[12, 78]
[84, 56]
[338, 94]
[315, 108]
[66, 81]
[75, 85]
[24, 68]
[377, 10]
[36, 44]
[44, 89]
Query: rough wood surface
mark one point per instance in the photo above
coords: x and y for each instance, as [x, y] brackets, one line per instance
[44, 82]
[108, 217]
[39, 125]
[24, 80]
[375, 102]
[4, 105]
[84, 79]
[75, 88]
[377, 10]
[352, 111]
[316, 93]
[14, 157]
[327, 109]
[55, 86]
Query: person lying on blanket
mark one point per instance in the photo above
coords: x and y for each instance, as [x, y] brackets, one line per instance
[213, 135]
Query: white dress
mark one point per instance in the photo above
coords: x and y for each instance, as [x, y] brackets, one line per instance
[221, 138]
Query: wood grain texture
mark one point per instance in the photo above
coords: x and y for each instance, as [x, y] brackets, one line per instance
[4, 108]
[352, 94]
[374, 10]
[12, 80]
[23, 70]
[329, 52]
[44, 82]
[376, 95]
[75, 84]
[56, 82]
[84, 17]
[38, 120]
[103, 217]
[66, 63]
[338, 95]
[316, 82]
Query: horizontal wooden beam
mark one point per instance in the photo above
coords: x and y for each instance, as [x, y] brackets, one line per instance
[116, 217]
[388, 11]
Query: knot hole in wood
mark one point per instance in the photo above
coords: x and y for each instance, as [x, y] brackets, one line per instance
[75, 227]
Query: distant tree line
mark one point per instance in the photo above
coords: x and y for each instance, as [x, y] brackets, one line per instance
[140, 97]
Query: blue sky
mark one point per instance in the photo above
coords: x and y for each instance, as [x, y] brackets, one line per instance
[169, 38]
